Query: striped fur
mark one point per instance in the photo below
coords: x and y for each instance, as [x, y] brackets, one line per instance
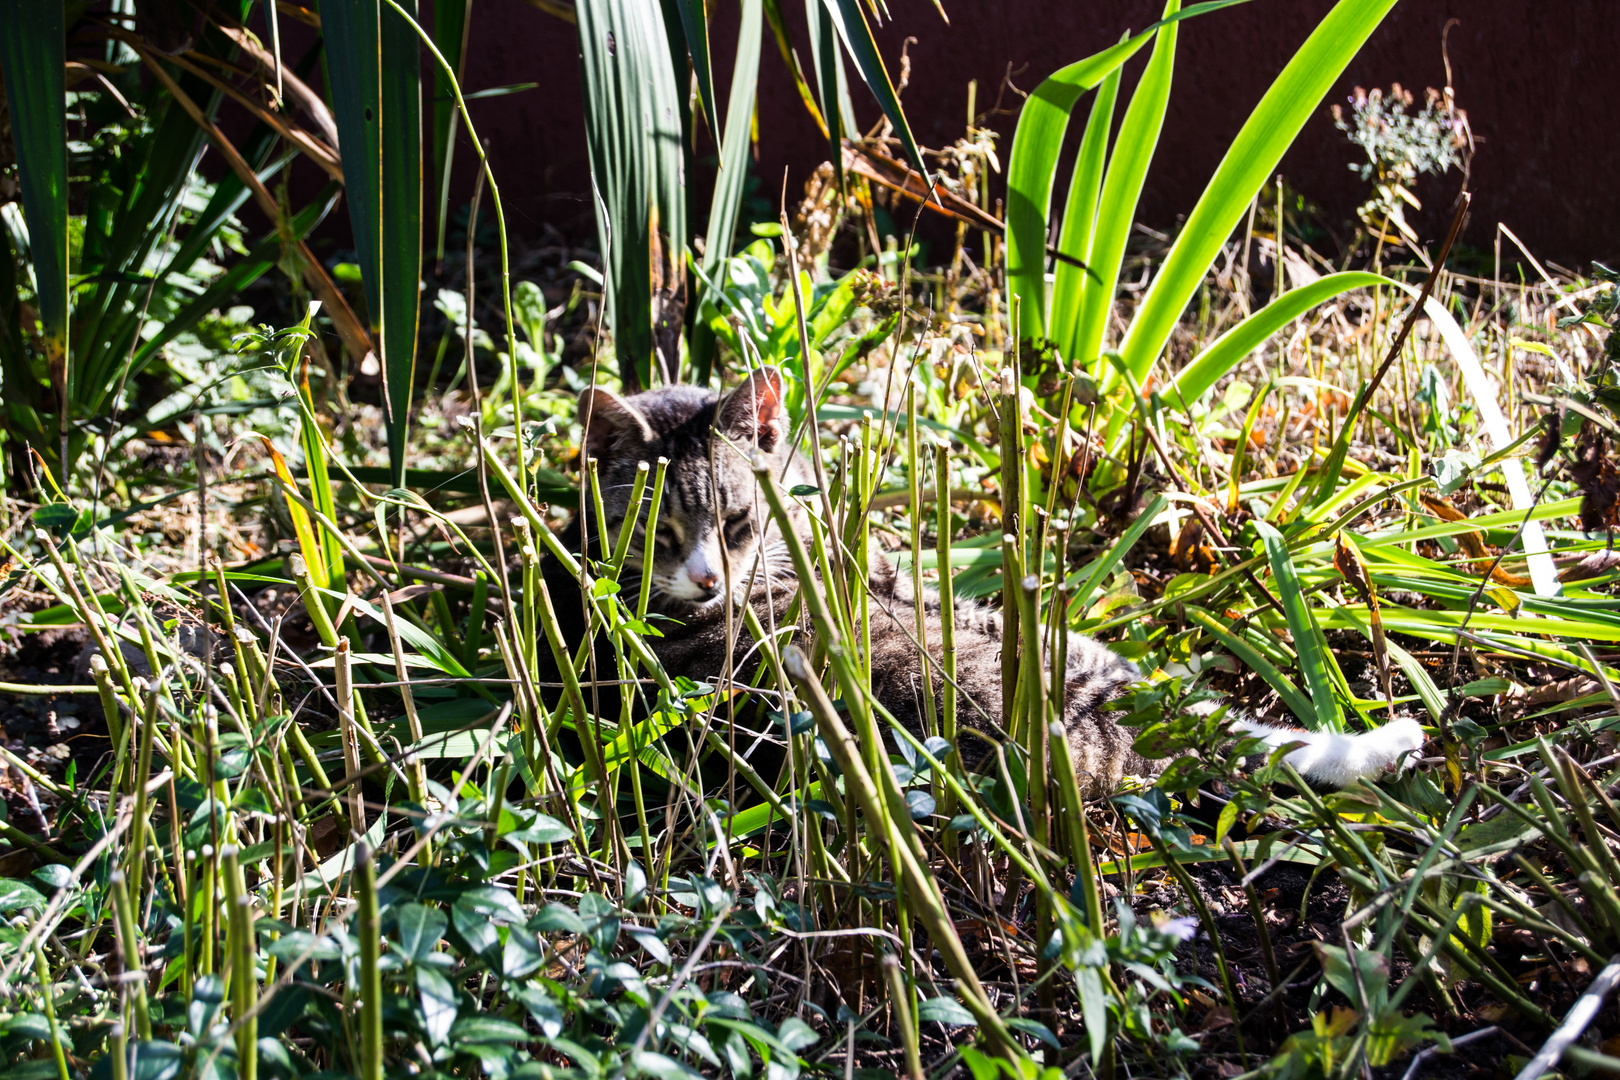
[713, 524]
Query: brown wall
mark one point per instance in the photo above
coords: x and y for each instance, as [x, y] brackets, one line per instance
[1537, 80]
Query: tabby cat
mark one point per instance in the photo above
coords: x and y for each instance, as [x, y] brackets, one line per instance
[715, 540]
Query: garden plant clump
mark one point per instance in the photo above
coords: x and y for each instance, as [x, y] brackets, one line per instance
[286, 793]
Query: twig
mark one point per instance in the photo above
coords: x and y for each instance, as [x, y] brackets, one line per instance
[1461, 1040]
[1580, 1015]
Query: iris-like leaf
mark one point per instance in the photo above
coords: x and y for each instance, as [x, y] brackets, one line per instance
[33, 52]
[1249, 163]
[633, 134]
[373, 70]
[1122, 188]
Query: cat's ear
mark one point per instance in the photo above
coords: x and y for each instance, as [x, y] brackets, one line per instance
[754, 411]
[608, 419]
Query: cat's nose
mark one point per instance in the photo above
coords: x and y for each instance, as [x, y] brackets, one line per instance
[708, 581]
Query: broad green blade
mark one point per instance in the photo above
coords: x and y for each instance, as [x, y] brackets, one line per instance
[728, 185]
[1105, 566]
[33, 51]
[373, 72]
[633, 134]
[694, 22]
[1309, 644]
[832, 87]
[1037, 141]
[1249, 163]
[1228, 350]
[784, 46]
[1032, 166]
[451, 20]
[1127, 168]
[1079, 218]
[850, 21]
[1297, 702]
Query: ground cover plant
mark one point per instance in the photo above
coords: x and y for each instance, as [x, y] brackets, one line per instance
[286, 794]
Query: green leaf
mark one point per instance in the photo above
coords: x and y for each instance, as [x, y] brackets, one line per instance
[836, 117]
[849, 19]
[1250, 161]
[1093, 1009]
[1035, 1028]
[33, 53]
[1309, 644]
[1104, 567]
[1032, 166]
[542, 830]
[296, 943]
[29, 1026]
[492, 903]
[694, 23]
[438, 1000]
[634, 139]
[1228, 350]
[946, 1010]
[1127, 169]
[648, 1063]
[420, 928]
[1079, 219]
[487, 1029]
[796, 1035]
[373, 69]
[555, 918]
[19, 896]
[726, 202]
[450, 24]
[1297, 702]
[1342, 967]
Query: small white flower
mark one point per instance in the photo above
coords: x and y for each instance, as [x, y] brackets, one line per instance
[1182, 928]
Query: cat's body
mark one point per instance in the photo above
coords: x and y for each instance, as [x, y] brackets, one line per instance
[710, 532]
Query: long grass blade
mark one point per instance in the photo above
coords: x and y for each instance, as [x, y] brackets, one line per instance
[694, 23]
[850, 21]
[633, 134]
[451, 21]
[1127, 169]
[1080, 218]
[1249, 162]
[373, 67]
[33, 51]
[1229, 350]
[1309, 645]
[726, 202]
[1032, 166]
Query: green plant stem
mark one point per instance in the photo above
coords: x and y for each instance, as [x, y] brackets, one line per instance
[244, 979]
[130, 951]
[370, 934]
[897, 834]
[1261, 931]
[900, 1002]
[42, 972]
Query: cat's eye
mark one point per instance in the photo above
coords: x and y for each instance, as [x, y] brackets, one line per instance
[738, 528]
[665, 537]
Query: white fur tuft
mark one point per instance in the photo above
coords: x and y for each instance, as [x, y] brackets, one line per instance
[1337, 760]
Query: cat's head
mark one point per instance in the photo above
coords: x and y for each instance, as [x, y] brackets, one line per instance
[707, 516]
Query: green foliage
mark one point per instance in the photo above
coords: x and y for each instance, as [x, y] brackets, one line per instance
[373, 66]
[635, 134]
[395, 850]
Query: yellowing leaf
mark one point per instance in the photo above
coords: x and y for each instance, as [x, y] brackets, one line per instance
[307, 545]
